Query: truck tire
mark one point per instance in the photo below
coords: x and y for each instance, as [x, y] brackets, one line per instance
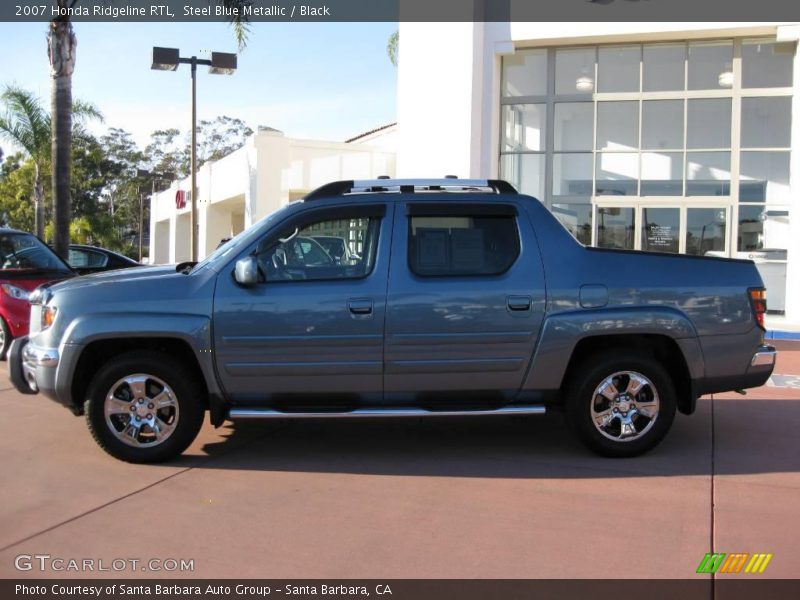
[620, 403]
[144, 407]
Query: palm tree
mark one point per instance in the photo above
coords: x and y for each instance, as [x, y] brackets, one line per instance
[28, 125]
[61, 46]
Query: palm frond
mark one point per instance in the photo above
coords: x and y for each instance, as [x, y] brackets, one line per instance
[15, 132]
[239, 22]
[85, 111]
[31, 121]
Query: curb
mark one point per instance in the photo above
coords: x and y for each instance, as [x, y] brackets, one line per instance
[782, 335]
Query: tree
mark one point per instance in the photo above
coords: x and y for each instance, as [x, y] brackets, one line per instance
[218, 138]
[27, 125]
[391, 47]
[165, 153]
[16, 185]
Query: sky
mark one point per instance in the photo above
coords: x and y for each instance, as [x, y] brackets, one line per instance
[327, 81]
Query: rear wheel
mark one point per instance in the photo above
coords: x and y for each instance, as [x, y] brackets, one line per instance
[621, 404]
[144, 407]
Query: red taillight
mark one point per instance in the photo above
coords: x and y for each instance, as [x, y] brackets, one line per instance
[758, 300]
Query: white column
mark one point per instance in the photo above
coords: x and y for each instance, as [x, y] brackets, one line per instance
[435, 94]
[793, 266]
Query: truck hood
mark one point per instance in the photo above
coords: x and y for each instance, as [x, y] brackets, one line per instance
[116, 276]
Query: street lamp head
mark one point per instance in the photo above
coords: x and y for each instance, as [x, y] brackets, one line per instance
[165, 59]
[222, 63]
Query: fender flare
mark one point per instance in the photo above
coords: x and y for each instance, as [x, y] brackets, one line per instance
[561, 333]
[193, 329]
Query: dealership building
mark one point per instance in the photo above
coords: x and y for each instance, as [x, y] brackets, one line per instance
[669, 137]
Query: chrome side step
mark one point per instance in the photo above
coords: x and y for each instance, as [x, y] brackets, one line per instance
[266, 413]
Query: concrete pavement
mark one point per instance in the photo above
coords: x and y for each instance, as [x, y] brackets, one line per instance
[485, 498]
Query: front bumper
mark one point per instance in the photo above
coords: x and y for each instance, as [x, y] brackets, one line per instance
[32, 368]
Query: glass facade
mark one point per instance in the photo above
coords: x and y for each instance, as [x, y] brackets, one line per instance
[670, 147]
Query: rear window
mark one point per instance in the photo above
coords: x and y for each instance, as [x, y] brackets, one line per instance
[462, 245]
[24, 252]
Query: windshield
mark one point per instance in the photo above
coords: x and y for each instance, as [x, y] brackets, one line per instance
[228, 248]
[25, 252]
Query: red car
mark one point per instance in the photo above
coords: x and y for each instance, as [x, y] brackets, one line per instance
[25, 263]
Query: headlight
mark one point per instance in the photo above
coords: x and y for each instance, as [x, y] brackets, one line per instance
[48, 316]
[15, 292]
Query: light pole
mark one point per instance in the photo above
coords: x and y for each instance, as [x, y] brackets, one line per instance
[221, 63]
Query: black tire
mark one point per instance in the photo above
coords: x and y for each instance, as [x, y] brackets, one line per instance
[580, 400]
[5, 342]
[186, 412]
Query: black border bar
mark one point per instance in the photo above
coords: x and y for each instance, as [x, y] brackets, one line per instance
[408, 10]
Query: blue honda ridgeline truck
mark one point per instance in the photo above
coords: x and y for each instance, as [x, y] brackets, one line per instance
[454, 297]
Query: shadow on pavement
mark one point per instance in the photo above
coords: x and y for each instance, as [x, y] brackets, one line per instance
[751, 436]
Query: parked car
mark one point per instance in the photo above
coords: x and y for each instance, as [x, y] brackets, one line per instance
[92, 259]
[467, 299]
[25, 263]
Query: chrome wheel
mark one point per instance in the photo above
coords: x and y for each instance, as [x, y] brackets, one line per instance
[624, 406]
[141, 410]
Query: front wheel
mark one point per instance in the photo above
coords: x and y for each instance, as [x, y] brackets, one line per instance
[144, 407]
[621, 404]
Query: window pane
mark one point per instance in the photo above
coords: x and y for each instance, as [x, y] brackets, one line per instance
[708, 174]
[615, 227]
[618, 125]
[523, 127]
[660, 227]
[525, 172]
[762, 229]
[766, 122]
[765, 177]
[332, 249]
[525, 73]
[709, 123]
[705, 231]
[572, 175]
[462, 245]
[710, 65]
[767, 64]
[618, 69]
[617, 174]
[662, 174]
[575, 71]
[662, 124]
[577, 219]
[573, 126]
[663, 68]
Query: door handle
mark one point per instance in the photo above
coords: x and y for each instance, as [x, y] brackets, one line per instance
[360, 306]
[519, 303]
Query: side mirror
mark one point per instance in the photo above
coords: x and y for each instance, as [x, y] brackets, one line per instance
[246, 272]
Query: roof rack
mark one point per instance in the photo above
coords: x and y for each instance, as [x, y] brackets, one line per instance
[407, 186]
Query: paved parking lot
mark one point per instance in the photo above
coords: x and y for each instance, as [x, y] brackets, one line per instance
[381, 499]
